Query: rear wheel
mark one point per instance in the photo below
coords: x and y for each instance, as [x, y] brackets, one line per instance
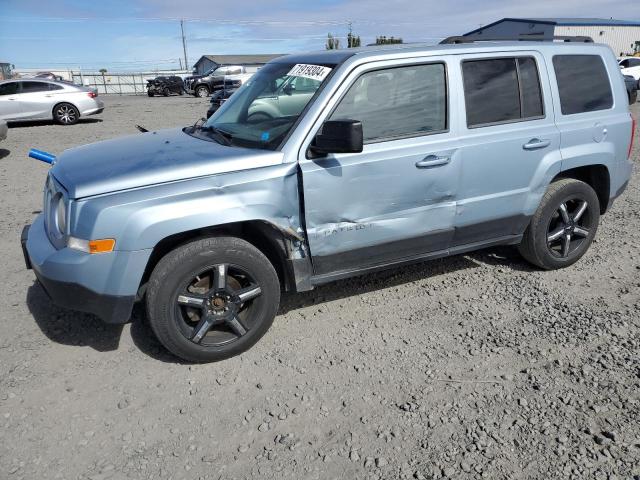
[213, 298]
[563, 227]
[65, 114]
[150, 93]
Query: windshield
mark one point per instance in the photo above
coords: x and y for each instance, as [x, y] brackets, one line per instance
[262, 112]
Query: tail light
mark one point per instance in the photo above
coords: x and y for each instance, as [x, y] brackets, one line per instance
[92, 94]
[633, 134]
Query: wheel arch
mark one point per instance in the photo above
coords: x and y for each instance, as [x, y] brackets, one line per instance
[597, 176]
[273, 242]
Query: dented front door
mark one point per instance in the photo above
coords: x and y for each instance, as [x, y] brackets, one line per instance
[397, 199]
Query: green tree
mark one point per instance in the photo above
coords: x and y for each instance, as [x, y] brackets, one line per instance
[103, 71]
[333, 43]
[384, 40]
[353, 41]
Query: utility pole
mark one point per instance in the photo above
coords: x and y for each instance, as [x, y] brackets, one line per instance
[184, 45]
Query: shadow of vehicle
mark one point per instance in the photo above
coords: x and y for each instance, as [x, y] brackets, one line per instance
[4, 153]
[71, 328]
[38, 123]
[80, 329]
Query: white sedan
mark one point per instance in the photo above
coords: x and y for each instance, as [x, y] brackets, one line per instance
[35, 99]
[630, 66]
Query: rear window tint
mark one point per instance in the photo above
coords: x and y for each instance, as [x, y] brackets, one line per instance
[501, 90]
[583, 83]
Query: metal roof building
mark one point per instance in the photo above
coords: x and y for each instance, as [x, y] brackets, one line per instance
[207, 62]
[623, 36]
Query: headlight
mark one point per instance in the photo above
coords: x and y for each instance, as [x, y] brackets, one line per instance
[61, 214]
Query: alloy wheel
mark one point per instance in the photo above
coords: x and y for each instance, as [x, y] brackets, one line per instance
[568, 228]
[214, 306]
[66, 114]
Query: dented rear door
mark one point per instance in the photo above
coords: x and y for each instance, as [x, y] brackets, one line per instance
[397, 199]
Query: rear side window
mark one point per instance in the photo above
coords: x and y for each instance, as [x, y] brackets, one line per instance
[501, 90]
[397, 102]
[583, 83]
[30, 87]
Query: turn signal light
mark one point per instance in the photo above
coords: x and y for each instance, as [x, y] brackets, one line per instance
[102, 246]
[105, 245]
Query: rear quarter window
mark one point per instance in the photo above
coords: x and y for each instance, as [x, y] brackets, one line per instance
[583, 83]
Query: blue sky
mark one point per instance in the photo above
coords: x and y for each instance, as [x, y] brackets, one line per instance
[143, 34]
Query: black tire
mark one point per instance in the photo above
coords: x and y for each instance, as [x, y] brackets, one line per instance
[559, 236]
[166, 92]
[150, 93]
[633, 97]
[66, 114]
[201, 91]
[184, 296]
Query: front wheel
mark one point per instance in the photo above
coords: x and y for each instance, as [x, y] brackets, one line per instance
[213, 298]
[166, 92]
[202, 92]
[563, 227]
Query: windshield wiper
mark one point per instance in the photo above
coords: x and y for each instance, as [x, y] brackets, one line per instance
[222, 134]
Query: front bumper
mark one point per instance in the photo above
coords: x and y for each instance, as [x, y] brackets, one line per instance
[103, 284]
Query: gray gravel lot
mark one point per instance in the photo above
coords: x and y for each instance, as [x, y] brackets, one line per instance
[476, 366]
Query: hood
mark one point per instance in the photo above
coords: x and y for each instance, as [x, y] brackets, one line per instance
[149, 159]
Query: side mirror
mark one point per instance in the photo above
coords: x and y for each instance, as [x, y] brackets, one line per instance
[339, 136]
[289, 88]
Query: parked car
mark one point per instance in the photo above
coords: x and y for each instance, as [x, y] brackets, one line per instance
[218, 98]
[632, 88]
[630, 66]
[204, 85]
[64, 102]
[399, 155]
[3, 130]
[165, 86]
[48, 76]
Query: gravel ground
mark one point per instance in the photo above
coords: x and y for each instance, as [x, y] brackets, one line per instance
[476, 366]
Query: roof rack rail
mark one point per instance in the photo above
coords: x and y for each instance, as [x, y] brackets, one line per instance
[521, 38]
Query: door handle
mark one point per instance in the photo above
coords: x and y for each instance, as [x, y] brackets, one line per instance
[48, 96]
[432, 161]
[536, 143]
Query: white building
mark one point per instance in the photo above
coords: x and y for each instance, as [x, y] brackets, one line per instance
[623, 36]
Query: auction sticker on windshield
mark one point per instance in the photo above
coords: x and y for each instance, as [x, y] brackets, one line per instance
[314, 72]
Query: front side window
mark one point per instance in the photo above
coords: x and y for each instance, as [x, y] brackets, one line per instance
[263, 110]
[32, 87]
[501, 90]
[583, 83]
[10, 88]
[397, 102]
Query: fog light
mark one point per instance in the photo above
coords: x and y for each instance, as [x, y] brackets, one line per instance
[92, 246]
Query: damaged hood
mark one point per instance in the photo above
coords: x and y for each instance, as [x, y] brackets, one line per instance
[149, 159]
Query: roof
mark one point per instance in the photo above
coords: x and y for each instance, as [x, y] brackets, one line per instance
[240, 59]
[566, 22]
[405, 50]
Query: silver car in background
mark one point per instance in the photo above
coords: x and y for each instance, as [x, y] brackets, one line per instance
[35, 99]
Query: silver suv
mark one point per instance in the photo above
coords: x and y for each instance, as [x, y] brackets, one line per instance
[391, 155]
